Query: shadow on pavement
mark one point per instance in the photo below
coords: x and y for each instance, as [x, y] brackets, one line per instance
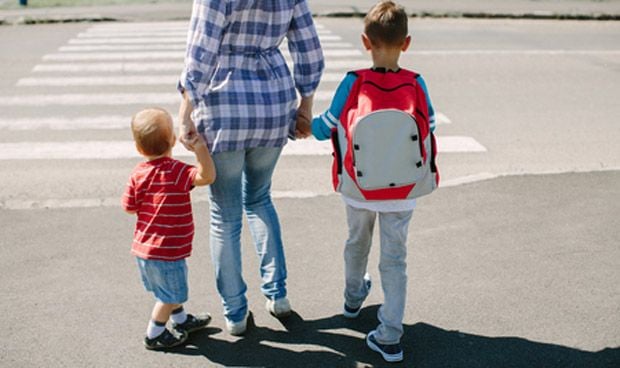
[323, 345]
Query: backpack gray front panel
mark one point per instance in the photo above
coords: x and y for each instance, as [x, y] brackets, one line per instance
[386, 150]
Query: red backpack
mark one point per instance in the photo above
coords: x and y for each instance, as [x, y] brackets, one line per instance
[384, 148]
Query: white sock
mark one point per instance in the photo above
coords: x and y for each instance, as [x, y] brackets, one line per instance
[178, 315]
[154, 329]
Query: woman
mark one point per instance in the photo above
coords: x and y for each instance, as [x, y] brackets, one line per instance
[241, 97]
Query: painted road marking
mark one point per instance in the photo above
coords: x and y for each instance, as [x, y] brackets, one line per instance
[94, 122]
[109, 67]
[126, 80]
[92, 99]
[68, 56]
[180, 46]
[101, 122]
[120, 47]
[90, 150]
[106, 99]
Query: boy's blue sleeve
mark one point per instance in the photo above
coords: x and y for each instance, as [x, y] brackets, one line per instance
[431, 110]
[323, 124]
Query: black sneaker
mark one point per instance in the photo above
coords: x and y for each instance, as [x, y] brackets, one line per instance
[193, 323]
[166, 340]
[390, 353]
[349, 312]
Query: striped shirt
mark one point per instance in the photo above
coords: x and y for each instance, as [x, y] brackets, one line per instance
[158, 191]
[238, 80]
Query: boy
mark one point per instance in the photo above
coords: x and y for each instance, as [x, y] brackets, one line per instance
[385, 36]
[158, 192]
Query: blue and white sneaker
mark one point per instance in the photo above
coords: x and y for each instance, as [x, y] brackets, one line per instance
[349, 312]
[391, 353]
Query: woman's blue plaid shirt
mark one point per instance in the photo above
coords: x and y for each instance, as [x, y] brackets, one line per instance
[238, 81]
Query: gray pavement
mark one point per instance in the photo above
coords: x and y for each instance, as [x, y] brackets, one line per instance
[516, 271]
[512, 272]
[544, 9]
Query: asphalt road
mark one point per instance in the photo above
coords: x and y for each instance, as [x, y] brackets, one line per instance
[514, 262]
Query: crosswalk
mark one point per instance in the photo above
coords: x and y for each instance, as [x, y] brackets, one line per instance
[103, 74]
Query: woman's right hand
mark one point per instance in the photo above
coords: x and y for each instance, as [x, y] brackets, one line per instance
[187, 129]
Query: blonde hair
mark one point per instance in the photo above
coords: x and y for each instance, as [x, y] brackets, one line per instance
[386, 24]
[153, 131]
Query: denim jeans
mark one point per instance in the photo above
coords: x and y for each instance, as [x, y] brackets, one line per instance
[243, 184]
[392, 266]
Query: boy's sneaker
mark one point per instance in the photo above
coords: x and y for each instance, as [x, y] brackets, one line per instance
[390, 353]
[278, 308]
[237, 328]
[349, 312]
[193, 323]
[166, 340]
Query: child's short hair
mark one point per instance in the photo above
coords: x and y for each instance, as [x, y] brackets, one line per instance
[153, 131]
[386, 24]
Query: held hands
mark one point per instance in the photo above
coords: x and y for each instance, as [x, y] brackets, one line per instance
[188, 135]
[303, 128]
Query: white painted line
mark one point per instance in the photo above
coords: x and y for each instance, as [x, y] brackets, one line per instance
[66, 123]
[466, 180]
[143, 40]
[341, 52]
[330, 38]
[108, 122]
[454, 144]
[137, 67]
[127, 149]
[126, 80]
[140, 25]
[123, 33]
[165, 55]
[350, 64]
[442, 119]
[110, 67]
[120, 47]
[102, 99]
[114, 56]
[499, 52]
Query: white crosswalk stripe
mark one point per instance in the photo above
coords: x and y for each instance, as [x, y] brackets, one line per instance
[143, 54]
[105, 150]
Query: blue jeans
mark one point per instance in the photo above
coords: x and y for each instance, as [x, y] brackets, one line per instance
[166, 280]
[243, 184]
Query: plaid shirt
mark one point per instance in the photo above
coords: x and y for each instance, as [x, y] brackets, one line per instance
[238, 81]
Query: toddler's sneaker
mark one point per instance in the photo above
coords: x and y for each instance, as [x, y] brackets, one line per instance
[278, 308]
[349, 312]
[237, 328]
[193, 323]
[390, 353]
[166, 340]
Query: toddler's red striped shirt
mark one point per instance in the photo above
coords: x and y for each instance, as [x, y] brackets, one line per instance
[158, 191]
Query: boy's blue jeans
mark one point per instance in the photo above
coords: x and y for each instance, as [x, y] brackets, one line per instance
[392, 266]
[243, 184]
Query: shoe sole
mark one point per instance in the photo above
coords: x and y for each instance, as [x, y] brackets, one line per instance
[391, 358]
[165, 347]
